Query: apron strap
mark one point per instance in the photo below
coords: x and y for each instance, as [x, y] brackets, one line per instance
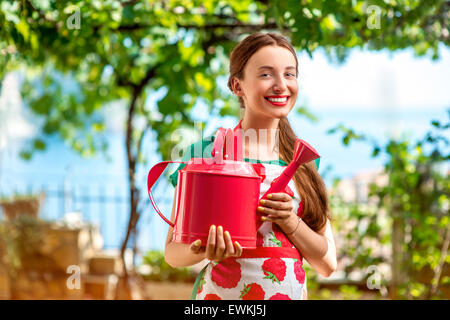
[197, 283]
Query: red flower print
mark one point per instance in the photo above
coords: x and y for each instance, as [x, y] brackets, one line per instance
[226, 273]
[274, 269]
[252, 291]
[299, 272]
[212, 296]
[280, 296]
[282, 239]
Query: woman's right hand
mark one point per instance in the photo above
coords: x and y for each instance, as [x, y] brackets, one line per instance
[219, 245]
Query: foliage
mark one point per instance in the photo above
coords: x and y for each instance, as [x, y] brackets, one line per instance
[410, 211]
[81, 55]
[159, 270]
[417, 196]
[364, 236]
[20, 237]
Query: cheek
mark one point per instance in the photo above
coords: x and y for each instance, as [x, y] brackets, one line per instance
[259, 90]
[261, 86]
[254, 89]
[293, 86]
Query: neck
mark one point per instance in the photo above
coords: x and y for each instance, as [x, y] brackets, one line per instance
[260, 139]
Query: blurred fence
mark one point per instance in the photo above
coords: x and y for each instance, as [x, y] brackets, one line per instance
[106, 206]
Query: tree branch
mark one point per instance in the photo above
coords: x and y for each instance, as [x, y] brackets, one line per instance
[438, 269]
[247, 28]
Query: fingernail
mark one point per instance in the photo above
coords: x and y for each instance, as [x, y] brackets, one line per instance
[260, 209]
[262, 201]
[264, 218]
[213, 227]
[237, 243]
[227, 233]
[197, 242]
[220, 229]
[269, 196]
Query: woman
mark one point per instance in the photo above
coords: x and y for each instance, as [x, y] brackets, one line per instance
[263, 75]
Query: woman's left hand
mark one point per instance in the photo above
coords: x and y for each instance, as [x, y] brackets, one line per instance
[279, 209]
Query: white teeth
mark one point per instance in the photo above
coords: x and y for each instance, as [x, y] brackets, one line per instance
[277, 99]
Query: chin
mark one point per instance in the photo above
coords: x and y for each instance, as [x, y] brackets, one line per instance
[281, 113]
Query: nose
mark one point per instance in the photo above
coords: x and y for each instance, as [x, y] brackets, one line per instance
[279, 85]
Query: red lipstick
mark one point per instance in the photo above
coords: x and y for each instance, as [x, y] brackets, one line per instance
[277, 103]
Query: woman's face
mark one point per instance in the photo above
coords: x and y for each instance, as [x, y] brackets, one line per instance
[270, 74]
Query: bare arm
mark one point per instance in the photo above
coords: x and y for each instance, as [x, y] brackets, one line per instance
[181, 254]
[318, 248]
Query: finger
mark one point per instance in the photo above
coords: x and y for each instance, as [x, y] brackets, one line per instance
[267, 211]
[276, 217]
[229, 244]
[267, 218]
[238, 249]
[220, 242]
[281, 196]
[280, 205]
[211, 243]
[196, 245]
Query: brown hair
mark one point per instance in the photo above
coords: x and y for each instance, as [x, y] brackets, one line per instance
[308, 182]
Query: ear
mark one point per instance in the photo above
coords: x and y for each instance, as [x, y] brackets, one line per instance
[237, 88]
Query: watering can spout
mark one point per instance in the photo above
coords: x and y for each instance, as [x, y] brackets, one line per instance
[303, 153]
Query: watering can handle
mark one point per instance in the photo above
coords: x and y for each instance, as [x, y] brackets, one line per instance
[153, 175]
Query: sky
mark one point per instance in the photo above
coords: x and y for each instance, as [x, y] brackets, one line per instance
[374, 80]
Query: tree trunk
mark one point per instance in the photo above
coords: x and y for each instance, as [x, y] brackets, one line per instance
[132, 160]
[397, 252]
[134, 198]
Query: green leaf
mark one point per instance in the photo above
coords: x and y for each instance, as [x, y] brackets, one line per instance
[23, 29]
[275, 240]
[26, 155]
[436, 123]
[346, 140]
[39, 144]
[375, 152]
[308, 114]
[271, 276]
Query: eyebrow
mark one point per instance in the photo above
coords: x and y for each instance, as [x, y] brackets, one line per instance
[271, 68]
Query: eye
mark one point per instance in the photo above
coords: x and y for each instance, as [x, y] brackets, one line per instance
[291, 74]
[265, 74]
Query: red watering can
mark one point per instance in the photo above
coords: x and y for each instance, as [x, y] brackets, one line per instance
[223, 190]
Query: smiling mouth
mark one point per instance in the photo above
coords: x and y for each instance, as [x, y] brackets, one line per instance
[278, 101]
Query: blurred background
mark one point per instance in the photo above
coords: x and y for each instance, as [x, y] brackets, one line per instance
[94, 93]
